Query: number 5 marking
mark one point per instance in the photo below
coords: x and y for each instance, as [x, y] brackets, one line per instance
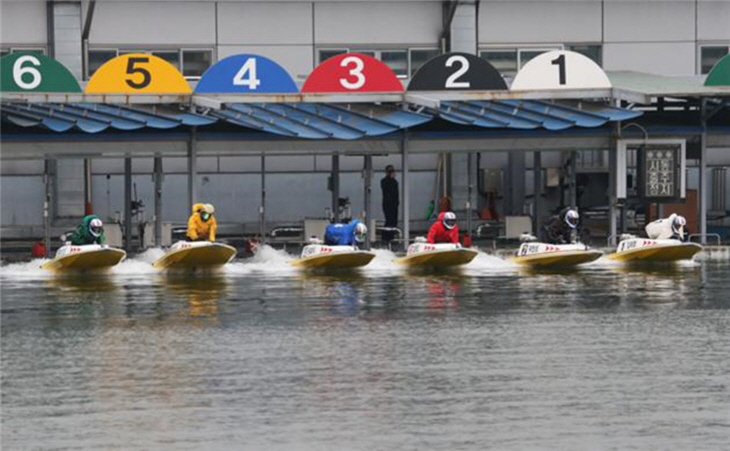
[131, 70]
[464, 66]
[19, 71]
[560, 62]
[356, 72]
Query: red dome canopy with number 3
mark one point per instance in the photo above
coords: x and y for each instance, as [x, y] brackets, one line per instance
[352, 72]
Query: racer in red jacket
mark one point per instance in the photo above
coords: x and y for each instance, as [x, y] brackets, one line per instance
[444, 230]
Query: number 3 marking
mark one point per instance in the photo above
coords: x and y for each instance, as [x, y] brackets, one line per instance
[356, 72]
[131, 70]
[19, 71]
[464, 66]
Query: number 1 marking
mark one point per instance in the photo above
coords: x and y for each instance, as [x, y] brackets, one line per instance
[560, 62]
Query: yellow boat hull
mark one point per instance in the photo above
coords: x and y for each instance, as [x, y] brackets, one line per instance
[99, 260]
[658, 254]
[562, 259]
[211, 256]
[337, 260]
[438, 258]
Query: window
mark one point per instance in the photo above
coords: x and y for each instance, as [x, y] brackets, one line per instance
[418, 58]
[504, 60]
[404, 62]
[191, 62]
[592, 51]
[709, 55]
[525, 55]
[196, 62]
[8, 50]
[97, 57]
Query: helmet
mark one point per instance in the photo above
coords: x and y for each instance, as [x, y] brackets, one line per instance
[361, 232]
[678, 223]
[95, 227]
[206, 211]
[449, 220]
[571, 218]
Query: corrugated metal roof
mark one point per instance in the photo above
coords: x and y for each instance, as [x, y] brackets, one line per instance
[531, 114]
[314, 120]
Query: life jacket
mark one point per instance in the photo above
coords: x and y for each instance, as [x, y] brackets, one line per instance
[340, 234]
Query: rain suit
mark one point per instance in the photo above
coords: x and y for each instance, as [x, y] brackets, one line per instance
[199, 230]
[341, 234]
[556, 230]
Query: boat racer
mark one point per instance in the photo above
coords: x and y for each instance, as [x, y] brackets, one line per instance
[350, 233]
[202, 224]
[90, 231]
[559, 228]
[667, 228]
[444, 230]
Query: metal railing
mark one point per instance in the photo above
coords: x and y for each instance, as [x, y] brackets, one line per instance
[706, 235]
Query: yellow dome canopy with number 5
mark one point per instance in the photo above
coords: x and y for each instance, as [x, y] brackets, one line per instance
[137, 73]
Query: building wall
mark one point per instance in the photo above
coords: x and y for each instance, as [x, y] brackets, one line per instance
[656, 36]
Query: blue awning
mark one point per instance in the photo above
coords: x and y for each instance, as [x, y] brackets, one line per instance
[315, 120]
[531, 114]
[320, 120]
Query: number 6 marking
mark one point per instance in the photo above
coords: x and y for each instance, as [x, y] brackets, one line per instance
[19, 71]
[355, 72]
[464, 66]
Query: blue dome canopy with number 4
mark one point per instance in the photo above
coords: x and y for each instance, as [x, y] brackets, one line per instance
[246, 74]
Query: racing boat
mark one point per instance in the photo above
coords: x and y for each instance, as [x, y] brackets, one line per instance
[323, 256]
[543, 255]
[86, 257]
[644, 250]
[436, 255]
[187, 255]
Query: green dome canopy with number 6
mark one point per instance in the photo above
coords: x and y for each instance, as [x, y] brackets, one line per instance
[32, 72]
[720, 73]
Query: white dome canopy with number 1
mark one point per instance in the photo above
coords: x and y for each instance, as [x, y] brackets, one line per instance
[560, 69]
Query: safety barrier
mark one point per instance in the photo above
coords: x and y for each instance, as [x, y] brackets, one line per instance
[706, 235]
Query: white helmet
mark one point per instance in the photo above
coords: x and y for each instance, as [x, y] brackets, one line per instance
[361, 232]
[209, 208]
[571, 218]
[95, 227]
[449, 220]
[678, 223]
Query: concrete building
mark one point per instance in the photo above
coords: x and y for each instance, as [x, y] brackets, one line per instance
[674, 37]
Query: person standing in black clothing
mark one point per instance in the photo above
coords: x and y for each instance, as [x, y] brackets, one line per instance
[391, 201]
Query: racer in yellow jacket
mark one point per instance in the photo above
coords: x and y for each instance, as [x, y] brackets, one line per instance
[202, 223]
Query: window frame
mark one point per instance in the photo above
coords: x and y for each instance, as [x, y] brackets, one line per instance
[377, 53]
[122, 50]
[698, 70]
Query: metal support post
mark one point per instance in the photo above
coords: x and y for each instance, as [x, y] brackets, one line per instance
[537, 190]
[192, 169]
[405, 195]
[127, 204]
[572, 195]
[335, 187]
[613, 182]
[703, 172]
[262, 208]
[158, 201]
[368, 176]
[469, 191]
[88, 208]
[47, 206]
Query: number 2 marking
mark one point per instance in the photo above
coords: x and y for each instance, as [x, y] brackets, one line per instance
[560, 62]
[19, 71]
[356, 72]
[464, 67]
[251, 81]
[131, 70]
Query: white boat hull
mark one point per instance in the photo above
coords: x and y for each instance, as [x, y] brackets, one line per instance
[87, 257]
[544, 255]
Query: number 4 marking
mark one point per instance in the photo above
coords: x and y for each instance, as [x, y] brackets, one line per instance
[249, 67]
[560, 62]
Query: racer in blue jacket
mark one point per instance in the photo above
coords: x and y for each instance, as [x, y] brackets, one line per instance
[345, 234]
